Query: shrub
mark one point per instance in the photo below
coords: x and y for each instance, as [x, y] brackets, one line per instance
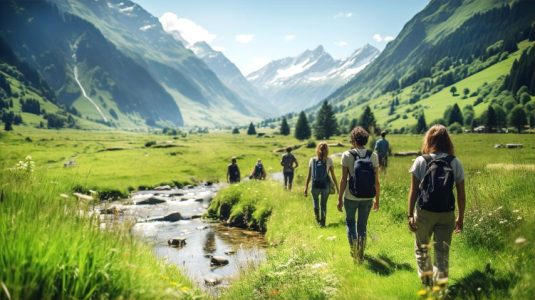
[150, 144]
[455, 128]
[311, 144]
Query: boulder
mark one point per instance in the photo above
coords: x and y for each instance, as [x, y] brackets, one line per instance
[407, 153]
[150, 201]
[218, 261]
[172, 217]
[199, 200]
[212, 280]
[512, 146]
[162, 188]
[177, 242]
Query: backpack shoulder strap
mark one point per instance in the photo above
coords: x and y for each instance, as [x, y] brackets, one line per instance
[354, 153]
[369, 153]
[449, 159]
[427, 158]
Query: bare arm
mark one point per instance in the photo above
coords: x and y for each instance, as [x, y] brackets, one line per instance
[377, 190]
[307, 182]
[343, 184]
[412, 203]
[461, 203]
[333, 176]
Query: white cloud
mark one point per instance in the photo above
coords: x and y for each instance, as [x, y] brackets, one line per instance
[218, 48]
[244, 38]
[382, 38]
[289, 37]
[345, 15]
[341, 43]
[188, 30]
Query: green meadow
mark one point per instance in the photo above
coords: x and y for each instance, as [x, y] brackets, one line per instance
[53, 249]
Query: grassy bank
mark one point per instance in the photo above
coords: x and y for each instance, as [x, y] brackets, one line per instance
[488, 260]
[51, 248]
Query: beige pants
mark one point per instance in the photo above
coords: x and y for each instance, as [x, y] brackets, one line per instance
[440, 226]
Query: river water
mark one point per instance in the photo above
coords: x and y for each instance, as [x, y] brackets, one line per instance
[242, 248]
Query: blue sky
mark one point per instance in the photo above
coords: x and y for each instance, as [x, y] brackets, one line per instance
[252, 33]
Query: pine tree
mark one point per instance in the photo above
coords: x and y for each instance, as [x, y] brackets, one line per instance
[421, 125]
[302, 129]
[453, 91]
[285, 129]
[491, 119]
[367, 119]
[251, 130]
[354, 123]
[7, 125]
[517, 118]
[326, 125]
[455, 115]
[466, 91]
[235, 130]
[392, 108]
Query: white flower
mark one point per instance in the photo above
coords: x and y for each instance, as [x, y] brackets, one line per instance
[520, 240]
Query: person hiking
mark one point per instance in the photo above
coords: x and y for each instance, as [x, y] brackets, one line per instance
[360, 183]
[431, 205]
[233, 172]
[289, 163]
[319, 168]
[259, 171]
[382, 147]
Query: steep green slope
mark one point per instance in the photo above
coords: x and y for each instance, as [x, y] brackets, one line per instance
[187, 78]
[73, 57]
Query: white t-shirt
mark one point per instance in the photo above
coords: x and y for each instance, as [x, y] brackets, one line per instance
[348, 161]
[419, 167]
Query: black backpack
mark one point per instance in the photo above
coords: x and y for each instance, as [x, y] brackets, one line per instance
[320, 178]
[258, 170]
[287, 162]
[362, 182]
[435, 191]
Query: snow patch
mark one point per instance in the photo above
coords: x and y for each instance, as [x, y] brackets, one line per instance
[147, 27]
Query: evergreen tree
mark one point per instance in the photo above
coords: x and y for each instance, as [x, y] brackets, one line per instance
[455, 115]
[517, 118]
[421, 125]
[453, 91]
[354, 123]
[392, 108]
[367, 119]
[302, 129]
[326, 125]
[285, 129]
[251, 130]
[466, 91]
[7, 125]
[235, 130]
[468, 113]
[491, 119]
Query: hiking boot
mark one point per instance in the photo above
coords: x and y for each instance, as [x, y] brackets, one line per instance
[317, 214]
[361, 244]
[353, 250]
[322, 221]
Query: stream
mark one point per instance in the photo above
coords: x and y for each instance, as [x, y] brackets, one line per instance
[240, 248]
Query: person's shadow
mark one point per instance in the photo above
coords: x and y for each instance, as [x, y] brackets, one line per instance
[385, 266]
[482, 284]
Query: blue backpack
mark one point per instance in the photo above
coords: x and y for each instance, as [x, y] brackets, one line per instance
[362, 182]
[320, 179]
[435, 191]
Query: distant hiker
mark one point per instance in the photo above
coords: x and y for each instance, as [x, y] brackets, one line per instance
[432, 203]
[289, 163]
[360, 183]
[319, 168]
[233, 172]
[259, 171]
[382, 148]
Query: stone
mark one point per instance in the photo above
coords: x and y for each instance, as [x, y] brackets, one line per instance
[176, 194]
[199, 200]
[212, 280]
[172, 217]
[407, 153]
[513, 146]
[196, 216]
[110, 211]
[162, 188]
[218, 261]
[177, 242]
[230, 252]
[150, 201]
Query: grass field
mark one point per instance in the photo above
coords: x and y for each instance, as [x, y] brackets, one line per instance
[69, 254]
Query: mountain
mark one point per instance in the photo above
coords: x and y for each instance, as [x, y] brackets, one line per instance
[294, 83]
[84, 69]
[202, 97]
[463, 43]
[231, 76]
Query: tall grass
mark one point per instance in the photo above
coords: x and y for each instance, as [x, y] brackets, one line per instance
[52, 248]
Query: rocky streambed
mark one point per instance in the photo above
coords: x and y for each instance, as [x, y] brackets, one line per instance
[211, 254]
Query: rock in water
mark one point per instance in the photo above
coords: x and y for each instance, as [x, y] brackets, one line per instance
[172, 217]
[150, 201]
[218, 261]
[162, 188]
[196, 217]
[177, 242]
[212, 280]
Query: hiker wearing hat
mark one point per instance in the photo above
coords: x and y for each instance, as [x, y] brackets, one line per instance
[233, 172]
[382, 149]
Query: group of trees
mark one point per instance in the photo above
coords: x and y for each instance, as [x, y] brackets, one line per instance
[31, 106]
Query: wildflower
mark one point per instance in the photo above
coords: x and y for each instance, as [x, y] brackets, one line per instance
[519, 218]
[421, 293]
[503, 221]
[500, 207]
[516, 211]
[436, 289]
[520, 240]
